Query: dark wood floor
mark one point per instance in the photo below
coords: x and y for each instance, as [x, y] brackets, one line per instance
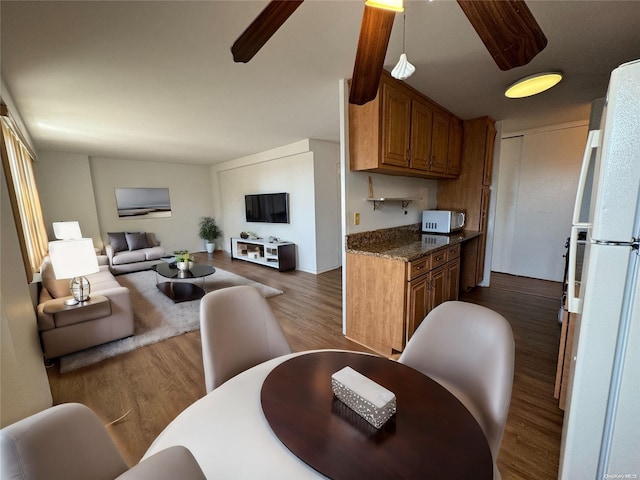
[157, 382]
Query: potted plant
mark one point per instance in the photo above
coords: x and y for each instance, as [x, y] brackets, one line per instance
[184, 260]
[209, 231]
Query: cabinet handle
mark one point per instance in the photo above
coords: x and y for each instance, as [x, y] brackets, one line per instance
[408, 154]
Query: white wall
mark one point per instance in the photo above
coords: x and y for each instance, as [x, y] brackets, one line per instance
[306, 171]
[66, 192]
[537, 182]
[189, 190]
[326, 173]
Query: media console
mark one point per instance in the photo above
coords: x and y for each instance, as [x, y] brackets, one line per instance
[280, 255]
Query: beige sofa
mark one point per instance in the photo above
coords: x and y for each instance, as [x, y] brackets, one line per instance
[131, 252]
[65, 330]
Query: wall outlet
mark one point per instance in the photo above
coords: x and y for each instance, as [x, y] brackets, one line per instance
[356, 218]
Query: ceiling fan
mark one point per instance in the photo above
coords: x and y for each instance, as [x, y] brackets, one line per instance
[506, 27]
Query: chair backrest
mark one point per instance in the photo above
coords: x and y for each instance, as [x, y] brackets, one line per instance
[67, 442]
[238, 331]
[470, 350]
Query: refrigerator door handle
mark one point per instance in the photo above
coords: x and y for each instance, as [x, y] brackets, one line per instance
[574, 302]
[593, 141]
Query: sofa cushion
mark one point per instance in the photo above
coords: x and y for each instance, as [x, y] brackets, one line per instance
[57, 288]
[118, 241]
[137, 241]
[128, 257]
[154, 253]
[102, 280]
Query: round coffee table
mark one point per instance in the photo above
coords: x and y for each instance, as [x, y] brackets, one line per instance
[182, 291]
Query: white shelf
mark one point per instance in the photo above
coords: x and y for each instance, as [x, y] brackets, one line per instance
[280, 255]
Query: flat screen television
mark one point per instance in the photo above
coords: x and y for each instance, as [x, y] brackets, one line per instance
[267, 207]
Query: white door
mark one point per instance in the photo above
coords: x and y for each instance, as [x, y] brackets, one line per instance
[537, 182]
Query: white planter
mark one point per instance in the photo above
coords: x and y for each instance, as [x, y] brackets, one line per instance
[211, 247]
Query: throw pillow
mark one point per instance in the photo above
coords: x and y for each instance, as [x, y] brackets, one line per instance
[118, 241]
[57, 288]
[136, 241]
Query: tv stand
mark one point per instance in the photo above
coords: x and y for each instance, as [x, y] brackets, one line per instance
[280, 255]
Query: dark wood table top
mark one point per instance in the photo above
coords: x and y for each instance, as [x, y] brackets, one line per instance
[169, 270]
[432, 435]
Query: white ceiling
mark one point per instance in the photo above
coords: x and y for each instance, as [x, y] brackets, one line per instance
[156, 80]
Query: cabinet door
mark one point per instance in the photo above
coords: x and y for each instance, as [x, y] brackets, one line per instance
[421, 127]
[453, 279]
[439, 143]
[396, 124]
[417, 303]
[454, 159]
[438, 286]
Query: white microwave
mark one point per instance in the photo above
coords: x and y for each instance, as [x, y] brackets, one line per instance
[442, 221]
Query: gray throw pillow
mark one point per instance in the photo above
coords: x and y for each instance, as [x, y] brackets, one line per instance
[136, 241]
[118, 241]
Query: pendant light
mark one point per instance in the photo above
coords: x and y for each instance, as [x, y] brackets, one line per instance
[403, 69]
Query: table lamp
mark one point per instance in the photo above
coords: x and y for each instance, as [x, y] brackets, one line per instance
[67, 230]
[73, 259]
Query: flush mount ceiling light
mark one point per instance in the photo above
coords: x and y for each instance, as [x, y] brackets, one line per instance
[533, 84]
[394, 5]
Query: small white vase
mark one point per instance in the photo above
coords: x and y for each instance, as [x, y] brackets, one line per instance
[211, 247]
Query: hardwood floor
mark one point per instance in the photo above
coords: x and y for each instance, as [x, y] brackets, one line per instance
[157, 382]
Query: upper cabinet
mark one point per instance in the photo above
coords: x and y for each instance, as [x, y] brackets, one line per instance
[401, 132]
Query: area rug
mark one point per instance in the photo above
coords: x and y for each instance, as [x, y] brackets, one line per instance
[156, 317]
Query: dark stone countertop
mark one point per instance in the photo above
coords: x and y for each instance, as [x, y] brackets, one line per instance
[412, 247]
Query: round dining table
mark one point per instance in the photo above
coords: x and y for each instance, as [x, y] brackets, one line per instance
[280, 420]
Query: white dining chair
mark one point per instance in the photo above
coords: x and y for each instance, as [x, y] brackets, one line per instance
[69, 442]
[238, 331]
[468, 349]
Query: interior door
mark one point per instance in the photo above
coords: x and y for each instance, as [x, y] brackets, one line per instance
[537, 182]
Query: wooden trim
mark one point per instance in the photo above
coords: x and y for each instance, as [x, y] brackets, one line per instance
[4, 112]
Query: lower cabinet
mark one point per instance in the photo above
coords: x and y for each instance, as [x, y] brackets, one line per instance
[440, 285]
[387, 299]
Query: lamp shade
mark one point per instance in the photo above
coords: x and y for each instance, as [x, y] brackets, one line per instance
[73, 258]
[67, 230]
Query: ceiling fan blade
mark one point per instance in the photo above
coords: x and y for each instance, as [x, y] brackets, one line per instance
[508, 30]
[262, 29]
[372, 48]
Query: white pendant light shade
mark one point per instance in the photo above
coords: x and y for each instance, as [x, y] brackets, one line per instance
[403, 69]
[533, 84]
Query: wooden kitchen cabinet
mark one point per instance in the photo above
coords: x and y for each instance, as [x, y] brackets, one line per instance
[454, 153]
[402, 132]
[471, 194]
[387, 299]
[396, 127]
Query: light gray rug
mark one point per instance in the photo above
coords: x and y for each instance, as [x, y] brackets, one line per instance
[156, 316]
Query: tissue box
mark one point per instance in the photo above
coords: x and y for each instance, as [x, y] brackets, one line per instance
[371, 401]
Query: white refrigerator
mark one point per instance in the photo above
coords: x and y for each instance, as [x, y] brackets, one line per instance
[601, 431]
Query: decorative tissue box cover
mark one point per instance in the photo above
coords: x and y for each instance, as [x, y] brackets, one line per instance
[371, 401]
